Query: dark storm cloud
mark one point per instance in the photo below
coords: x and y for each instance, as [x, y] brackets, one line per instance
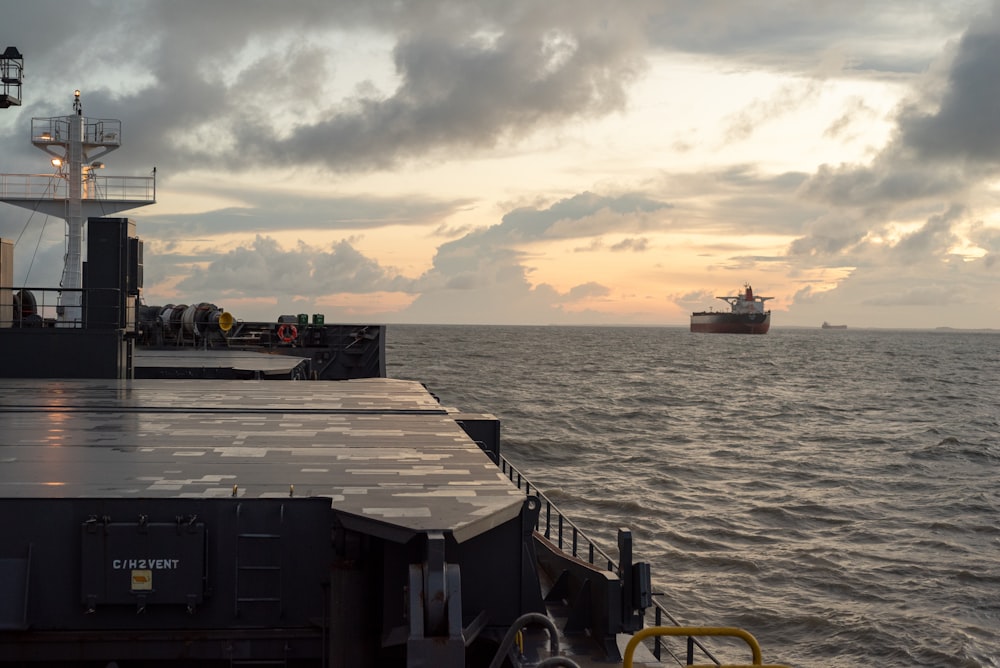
[930, 171]
[966, 126]
[935, 154]
[470, 75]
[886, 182]
[457, 91]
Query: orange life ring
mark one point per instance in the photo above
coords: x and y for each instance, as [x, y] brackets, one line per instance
[288, 333]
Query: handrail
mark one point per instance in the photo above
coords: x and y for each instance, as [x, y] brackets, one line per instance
[561, 520]
[55, 187]
[639, 636]
[659, 612]
[41, 307]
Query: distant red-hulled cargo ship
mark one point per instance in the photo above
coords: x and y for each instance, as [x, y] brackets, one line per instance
[746, 316]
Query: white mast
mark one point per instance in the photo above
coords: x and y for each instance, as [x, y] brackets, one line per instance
[72, 276]
[75, 192]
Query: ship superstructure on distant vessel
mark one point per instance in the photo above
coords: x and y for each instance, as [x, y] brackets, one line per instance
[746, 315]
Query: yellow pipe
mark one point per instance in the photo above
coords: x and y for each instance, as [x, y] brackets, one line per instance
[694, 631]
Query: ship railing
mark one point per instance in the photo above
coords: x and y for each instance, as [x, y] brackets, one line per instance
[96, 131]
[95, 188]
[41, 307]
[691, 631]
[572, 540]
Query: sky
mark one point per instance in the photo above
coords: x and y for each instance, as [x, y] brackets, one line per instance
[525, 162]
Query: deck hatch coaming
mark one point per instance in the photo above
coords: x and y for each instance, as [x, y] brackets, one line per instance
[382, 450]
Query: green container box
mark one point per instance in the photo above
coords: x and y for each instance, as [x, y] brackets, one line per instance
[303, 318]
[318, 318]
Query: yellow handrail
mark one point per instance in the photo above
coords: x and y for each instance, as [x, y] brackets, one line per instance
[698, 631]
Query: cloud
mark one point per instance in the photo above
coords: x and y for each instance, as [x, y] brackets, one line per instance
[934, 238]
[878, 39]
[457, 92]
[580, 216]
[241, 84]
[264, 269]
[856, 113]
[305, 117]
[466, 263]
[635, 245]
[488, 266]
[966, 124]
[929, 296]
[263, 211]
[929, 180]
[889, 181]
[935, 154]
[988, 239]
[587, 290]
[784, 102]
[476, 269]
[915, 281]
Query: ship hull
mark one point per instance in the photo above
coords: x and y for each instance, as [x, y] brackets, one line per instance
[731, 323]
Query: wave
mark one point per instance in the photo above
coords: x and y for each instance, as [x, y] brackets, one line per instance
[836, 497]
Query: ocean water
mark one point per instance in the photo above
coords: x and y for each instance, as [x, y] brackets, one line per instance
[834, 492]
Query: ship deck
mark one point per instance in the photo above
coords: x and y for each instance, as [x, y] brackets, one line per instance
[382, 450]
[240, 360]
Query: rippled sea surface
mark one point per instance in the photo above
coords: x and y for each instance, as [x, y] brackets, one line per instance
[834, 492]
